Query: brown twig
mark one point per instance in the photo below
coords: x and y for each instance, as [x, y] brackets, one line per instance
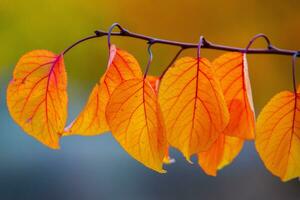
[206, 44]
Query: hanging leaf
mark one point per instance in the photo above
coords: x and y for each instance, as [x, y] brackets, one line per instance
[37, 97]
[91, 121]
[193, 105]
[278, 135]
[154, 82]
[134, 117]
[232, 71]
[220, 154]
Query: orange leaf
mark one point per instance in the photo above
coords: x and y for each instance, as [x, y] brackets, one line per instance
[91, 121]
[278, 135]
[37, 97]
[134, 117]
[193, 105]
[232, 71]
[154, 82]
[220, 154]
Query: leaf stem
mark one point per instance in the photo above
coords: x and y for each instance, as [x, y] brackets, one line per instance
[149, 60]
[260, 35]
[172, 62]
[294, 72]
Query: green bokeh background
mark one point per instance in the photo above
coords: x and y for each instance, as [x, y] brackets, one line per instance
[96, 167]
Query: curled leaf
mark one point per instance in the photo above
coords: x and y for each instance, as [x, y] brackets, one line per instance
[91, 121]
[37, 97]
[134, 117]
[220, 154]
[193, 105]
[278, 135]
[232, 71]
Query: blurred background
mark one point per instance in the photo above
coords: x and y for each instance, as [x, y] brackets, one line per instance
[97, 167]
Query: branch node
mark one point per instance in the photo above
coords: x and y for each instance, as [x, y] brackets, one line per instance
[124, 32]
[100, 33]
[152, 41]
[205, 43]
[271, 47]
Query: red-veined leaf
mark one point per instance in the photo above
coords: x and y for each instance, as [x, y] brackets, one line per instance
[91, 121]
[278, 135]
[37, 97]
[134, 117]
[154, 82]
[193, 105]
[220, 154]
[232, 71]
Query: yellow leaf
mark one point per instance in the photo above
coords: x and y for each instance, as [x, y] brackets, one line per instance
[278, 135]
[193, 105]
[37, 97]
[134, 117]
[91, 121]
[220, 154]
[232, 71]
[154, 82]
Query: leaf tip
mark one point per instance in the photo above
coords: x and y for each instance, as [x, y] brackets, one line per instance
[168, 160]
[188, 159]
[162, 171]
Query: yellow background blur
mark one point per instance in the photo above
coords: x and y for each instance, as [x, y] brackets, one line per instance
[55, 24]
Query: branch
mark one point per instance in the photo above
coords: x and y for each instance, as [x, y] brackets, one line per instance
[206, 44]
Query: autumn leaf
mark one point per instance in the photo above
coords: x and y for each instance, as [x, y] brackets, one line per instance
[37, 97]
[278, 135]
[154, 82]
[135, 119]
[232, 71]
[193, 105]
[91, 121]
[220, 154]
